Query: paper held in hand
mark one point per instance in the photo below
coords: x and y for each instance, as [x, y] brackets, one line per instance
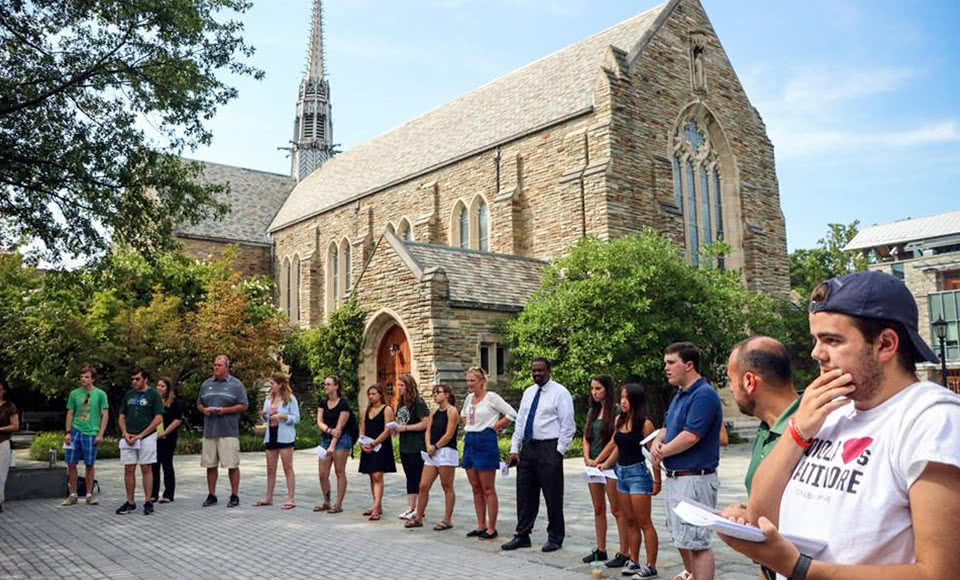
[393, 426]
[596, 475]
[320, 451]
[125, 445]
[646, 440]
[504, 469]
[697, 514]
[364, 440]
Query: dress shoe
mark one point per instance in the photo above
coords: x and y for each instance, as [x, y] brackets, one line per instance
[517, 542]
[550, 547]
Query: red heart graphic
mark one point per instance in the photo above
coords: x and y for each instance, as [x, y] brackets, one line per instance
[852, 448]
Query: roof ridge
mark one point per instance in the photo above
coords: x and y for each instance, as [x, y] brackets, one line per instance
[250, 169]
[471, 251]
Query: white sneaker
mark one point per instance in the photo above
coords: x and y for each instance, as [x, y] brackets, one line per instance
[645, 572]
[407, 514]
[630, 568]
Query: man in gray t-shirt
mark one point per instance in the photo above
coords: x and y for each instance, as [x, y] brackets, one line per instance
[221, 400]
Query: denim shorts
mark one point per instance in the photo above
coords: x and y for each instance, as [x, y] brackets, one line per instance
[480, 450]
[344, 443]
[634, 479]
[84, 447]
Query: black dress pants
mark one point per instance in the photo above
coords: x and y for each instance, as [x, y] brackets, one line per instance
[540, 469]
[165, 450]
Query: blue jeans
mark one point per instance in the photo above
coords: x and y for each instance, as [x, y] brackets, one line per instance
[344, 443]
[634, 479]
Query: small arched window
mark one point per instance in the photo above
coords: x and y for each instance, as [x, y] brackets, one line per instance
[403, 231]
[464, 228]
[483, 236]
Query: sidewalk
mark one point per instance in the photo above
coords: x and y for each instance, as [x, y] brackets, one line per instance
[38, 539]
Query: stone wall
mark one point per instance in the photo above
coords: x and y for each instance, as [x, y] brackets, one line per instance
[251, 260]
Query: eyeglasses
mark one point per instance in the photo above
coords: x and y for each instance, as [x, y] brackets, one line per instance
[438, 391]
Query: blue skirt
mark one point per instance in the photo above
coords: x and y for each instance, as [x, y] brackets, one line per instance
[480, 450]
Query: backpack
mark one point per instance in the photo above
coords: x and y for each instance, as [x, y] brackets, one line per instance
[82, 486]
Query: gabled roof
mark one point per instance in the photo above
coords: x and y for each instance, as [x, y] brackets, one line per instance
[556, 87]
[254, 199]
[905, 231]
[477, 280]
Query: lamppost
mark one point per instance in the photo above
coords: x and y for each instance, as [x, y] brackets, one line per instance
[940, 328]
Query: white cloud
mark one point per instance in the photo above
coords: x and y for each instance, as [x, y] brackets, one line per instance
[798, 143]
[814, 89]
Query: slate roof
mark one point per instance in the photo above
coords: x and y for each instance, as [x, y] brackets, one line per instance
[556, 87]
[480, 279]
[908, 230]
[254, 198]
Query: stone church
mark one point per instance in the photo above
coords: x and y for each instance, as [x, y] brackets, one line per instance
[441, 227]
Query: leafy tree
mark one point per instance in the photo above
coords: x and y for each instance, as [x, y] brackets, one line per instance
[612, 307]
[811, 266]
[333, 349]
[79, 82]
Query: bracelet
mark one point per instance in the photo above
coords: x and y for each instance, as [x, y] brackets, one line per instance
[801, 567]
[797, 437]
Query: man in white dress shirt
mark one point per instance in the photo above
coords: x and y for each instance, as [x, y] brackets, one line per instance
[544, 429]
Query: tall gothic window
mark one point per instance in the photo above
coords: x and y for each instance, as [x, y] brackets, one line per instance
[464, 228]
[346, 269]
[696, 180]
[334, 274]
[295, 303]
[285, 287]
[482, 231]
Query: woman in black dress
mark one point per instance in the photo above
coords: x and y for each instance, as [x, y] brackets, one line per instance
[167, 440]
[375, 462]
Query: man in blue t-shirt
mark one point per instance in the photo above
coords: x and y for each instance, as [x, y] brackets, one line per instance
[689, 451]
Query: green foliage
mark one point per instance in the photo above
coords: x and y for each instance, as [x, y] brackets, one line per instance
[82, 83]
[612, 307]
[333, 349]
[788, 323]
[810, 267]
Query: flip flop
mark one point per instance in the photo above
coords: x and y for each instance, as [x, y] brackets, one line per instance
[321, 507]
[335, 510]
[288, 506]
[442, 526]
[368, 512]
[374, 517]
[261, 503]
[413, 524]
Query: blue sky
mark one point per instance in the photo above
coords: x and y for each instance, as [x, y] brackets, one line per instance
[859, 98]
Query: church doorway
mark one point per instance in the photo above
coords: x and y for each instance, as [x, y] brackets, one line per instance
[393, 358]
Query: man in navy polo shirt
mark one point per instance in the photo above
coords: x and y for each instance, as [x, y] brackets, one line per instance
[689, 450]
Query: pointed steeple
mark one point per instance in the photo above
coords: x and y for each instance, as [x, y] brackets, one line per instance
[313, 126]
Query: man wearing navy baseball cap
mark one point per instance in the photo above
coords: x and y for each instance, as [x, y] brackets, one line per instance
[870, 463]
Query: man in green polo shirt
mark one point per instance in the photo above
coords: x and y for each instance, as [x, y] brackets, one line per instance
[141, 411]
[761, 382]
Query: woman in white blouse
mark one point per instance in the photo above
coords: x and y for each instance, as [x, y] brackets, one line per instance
[484, 415]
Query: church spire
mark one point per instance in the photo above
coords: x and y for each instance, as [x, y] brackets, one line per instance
[313, 127]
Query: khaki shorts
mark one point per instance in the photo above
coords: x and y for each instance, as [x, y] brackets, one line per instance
[224, 451]
[700, 488]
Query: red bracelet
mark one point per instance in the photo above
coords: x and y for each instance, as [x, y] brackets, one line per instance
[797, 437]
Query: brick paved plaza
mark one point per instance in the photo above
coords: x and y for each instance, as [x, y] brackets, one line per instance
[38, 539]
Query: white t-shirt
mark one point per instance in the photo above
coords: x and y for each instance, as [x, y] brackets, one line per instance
[486, 413]
[851, 488]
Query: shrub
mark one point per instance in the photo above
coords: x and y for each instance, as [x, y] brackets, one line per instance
[41, 444]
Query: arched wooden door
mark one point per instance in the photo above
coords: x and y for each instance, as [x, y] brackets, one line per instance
[393, 358]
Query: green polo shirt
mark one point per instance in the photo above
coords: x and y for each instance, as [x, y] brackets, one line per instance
[767, 438]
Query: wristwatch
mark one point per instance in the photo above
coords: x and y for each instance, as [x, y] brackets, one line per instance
[801, 567]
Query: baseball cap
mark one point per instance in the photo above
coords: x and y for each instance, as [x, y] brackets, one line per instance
[875, 295]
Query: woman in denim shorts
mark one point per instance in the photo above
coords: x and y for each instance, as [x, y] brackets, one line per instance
[336, 421]
[635, 486]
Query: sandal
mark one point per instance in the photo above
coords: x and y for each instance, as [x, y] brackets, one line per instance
[261, 503]
[335, 510]
[442, 526]
[321, 507]
[165, 500]
[413, 523]
[368, 512]
[288, 506]
[374, 517]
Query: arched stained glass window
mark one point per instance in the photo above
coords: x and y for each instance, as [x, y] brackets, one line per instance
[464, 228]
[696, 183]
[482, 230]
[346, 268]
[334, 272]
[694, 229]
[296, 288]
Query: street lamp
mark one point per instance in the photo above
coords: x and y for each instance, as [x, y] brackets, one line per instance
[940, 328]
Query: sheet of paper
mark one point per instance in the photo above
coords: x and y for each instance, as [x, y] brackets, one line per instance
[609, 474]
[593, 471]
[393, 426]
[700, 515]
[651, 436]
[320, 451]
[125, 445]
[504, 469]
[592, 478]
[364, 440]
[424, 455]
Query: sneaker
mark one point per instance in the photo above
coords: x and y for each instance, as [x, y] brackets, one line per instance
[618, 561]
[630, 568]
[211, 500]
[147, 508]
[646, 572]
[127, 508]
[234, 501]
[595, 556]
[92, 500]
[71, 500]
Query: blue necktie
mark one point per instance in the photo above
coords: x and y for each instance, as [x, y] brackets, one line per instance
[528, 427]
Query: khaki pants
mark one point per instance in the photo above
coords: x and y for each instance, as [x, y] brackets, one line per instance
[4, 466]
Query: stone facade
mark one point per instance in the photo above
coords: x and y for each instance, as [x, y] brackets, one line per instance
[251, 260]
[603, 171]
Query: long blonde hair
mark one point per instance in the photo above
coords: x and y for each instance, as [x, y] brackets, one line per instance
[286, 393]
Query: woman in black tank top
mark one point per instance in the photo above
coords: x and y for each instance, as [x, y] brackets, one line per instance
[440, 458]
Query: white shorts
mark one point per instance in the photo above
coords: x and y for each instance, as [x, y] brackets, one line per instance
[146, 455]
[443, 457]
